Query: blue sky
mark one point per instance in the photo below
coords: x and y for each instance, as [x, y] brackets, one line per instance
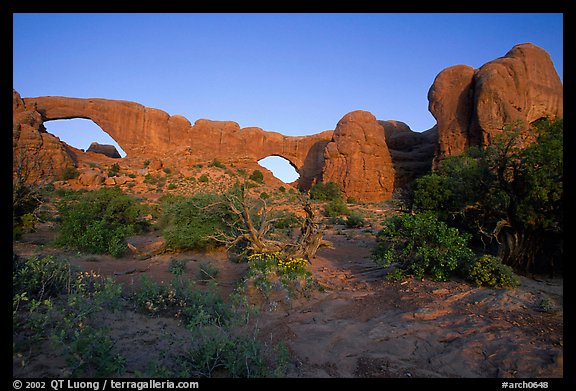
[296, 74]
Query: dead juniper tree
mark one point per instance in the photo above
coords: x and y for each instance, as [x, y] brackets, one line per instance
[31, 173]
[252, 229]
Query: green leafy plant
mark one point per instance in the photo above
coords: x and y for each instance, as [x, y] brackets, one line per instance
[422, 245]
[114, 170]
[194, 222]
[355, 220]
[336, 207]
[325, 191]
[177, 266]
[99, 221]
[489, 270]
[257, 176]
[218, 164]
[508, 194]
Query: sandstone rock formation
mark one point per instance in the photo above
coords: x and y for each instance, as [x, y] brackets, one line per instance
[36, 153]
[368, 158]
[104, 149]
[411, 152]
[357, 158]
[472, 106]
[148, 132]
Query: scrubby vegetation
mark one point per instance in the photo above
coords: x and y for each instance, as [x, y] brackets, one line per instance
[57, 307]
[422, 245]
[505, 199]
[193, 222]
[99, 221]
[479, 217]
[278, 279]
[509, 196]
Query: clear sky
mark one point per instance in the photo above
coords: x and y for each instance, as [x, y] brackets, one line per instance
[296, 74]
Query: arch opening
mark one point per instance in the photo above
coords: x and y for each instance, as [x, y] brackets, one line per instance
[80, 133]
[282, 168]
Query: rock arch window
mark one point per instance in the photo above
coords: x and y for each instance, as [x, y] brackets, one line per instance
[80, 133]
[281, 168]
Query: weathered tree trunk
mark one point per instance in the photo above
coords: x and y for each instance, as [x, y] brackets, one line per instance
[310, 239]
[518, 249]
[305, 246]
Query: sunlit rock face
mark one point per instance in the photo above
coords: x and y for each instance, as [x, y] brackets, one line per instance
[368, 158]
[472, 106]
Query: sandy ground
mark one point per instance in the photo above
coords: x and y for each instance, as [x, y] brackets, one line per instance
[359, 325]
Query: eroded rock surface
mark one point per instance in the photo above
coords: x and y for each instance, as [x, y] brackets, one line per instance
[370, 159]
[357, 158]
[472, 106]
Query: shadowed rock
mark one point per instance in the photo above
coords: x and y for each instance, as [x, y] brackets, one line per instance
[104, 149]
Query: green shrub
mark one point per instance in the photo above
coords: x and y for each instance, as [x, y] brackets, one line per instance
[181, 299]
[203, 178]
[355, 220]
[99, 221]
[39, 277]
[193, 222]
[422, 245]
[26, 200]
[207, 271]
[325, 191]
[150, 179]
[257, 176]
[177, 266]
[69, 173]
[489, 270]
[114, 170]
[335, 208]
[283, 219]
[218, 164]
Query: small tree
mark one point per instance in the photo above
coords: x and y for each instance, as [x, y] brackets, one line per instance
[510, 193]
[257, 176]
[328, 191]
[253, 224]
[422, 245]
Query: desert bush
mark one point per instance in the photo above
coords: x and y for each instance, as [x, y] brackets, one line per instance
[218, 350]
[39, 277]
[325, 191]
[217, 163]
[336, 207]
[194, 222]
[257, 176]
[355, 220]
[489, 270]
[114, 170]
[177, 266]
[99, 221]
[422, 245]
[69, 173]
[207, 271]
[283, 219]
[277, 278]
[203, 178]
[180, 298]
[26, 201]
[509, 194]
